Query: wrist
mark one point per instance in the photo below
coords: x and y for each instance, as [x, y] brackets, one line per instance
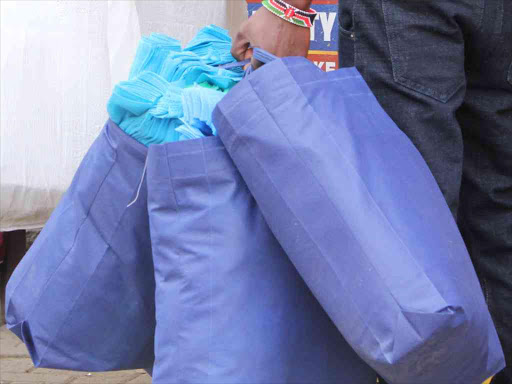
[301, 4]
[292, 14]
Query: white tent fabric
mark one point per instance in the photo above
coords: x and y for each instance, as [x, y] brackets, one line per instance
[59, 62]
[182, 19]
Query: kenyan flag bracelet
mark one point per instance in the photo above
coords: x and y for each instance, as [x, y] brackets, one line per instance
[290, 13]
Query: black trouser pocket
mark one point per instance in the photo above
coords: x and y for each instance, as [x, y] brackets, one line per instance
[347, 36]
[426, 48]
[346, 48]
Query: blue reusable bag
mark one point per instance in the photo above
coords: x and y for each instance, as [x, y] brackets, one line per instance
[356, 209]
[230, 306]
[82, 298]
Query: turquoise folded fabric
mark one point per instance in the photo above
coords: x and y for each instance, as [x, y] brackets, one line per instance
[171, 92]
[199, 103]
[151, 53]
[213, 45]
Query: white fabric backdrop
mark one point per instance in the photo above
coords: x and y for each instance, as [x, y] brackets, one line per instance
[59, 61]
[182, 19]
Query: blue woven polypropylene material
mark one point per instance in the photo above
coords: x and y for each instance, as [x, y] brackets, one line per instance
[358, 212]
[162, 101]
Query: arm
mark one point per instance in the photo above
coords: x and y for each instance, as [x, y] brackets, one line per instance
[269, 32]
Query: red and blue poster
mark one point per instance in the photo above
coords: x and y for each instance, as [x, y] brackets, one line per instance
[324, 34]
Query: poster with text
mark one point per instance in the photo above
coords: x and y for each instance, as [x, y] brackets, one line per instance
[324, 34]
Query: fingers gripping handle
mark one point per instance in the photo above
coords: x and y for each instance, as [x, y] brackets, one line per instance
[258, 54]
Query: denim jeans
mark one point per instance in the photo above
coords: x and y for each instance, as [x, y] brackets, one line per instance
[442, 69]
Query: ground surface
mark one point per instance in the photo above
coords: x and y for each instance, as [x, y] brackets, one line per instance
[16, 368]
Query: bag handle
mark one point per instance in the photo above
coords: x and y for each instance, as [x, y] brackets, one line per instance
[258, 54]
[263, 56]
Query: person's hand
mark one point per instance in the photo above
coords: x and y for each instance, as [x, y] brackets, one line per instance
[267, 31]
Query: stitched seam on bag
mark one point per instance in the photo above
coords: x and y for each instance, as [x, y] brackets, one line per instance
[210, 264]
[241, 100]
[171, 180]
[329, 80]
[329, 263]
[224, 121]
[225, 169]
[28, 269]
[235, 133]
[194, 152]
[322, 187]
[66, 255]
[302, 64]
[181, 310]
[74, 303]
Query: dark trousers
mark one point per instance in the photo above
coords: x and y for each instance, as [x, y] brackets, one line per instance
[442, 69]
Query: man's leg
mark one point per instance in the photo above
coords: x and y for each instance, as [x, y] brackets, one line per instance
[411, 54]
[485, 212]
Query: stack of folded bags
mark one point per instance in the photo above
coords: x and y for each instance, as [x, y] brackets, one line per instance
[171, 92]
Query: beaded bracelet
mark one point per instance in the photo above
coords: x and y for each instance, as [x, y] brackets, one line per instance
[290, 13]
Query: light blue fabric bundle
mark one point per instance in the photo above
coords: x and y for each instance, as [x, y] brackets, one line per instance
[213, 45]
[193, 130]
[170, 104]
[222, 78]
[174, 61]
[191, 68]
[163, 100]
[198, 104]
[151, 53]
[150, 109]
[134, 97]
[135, 106]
